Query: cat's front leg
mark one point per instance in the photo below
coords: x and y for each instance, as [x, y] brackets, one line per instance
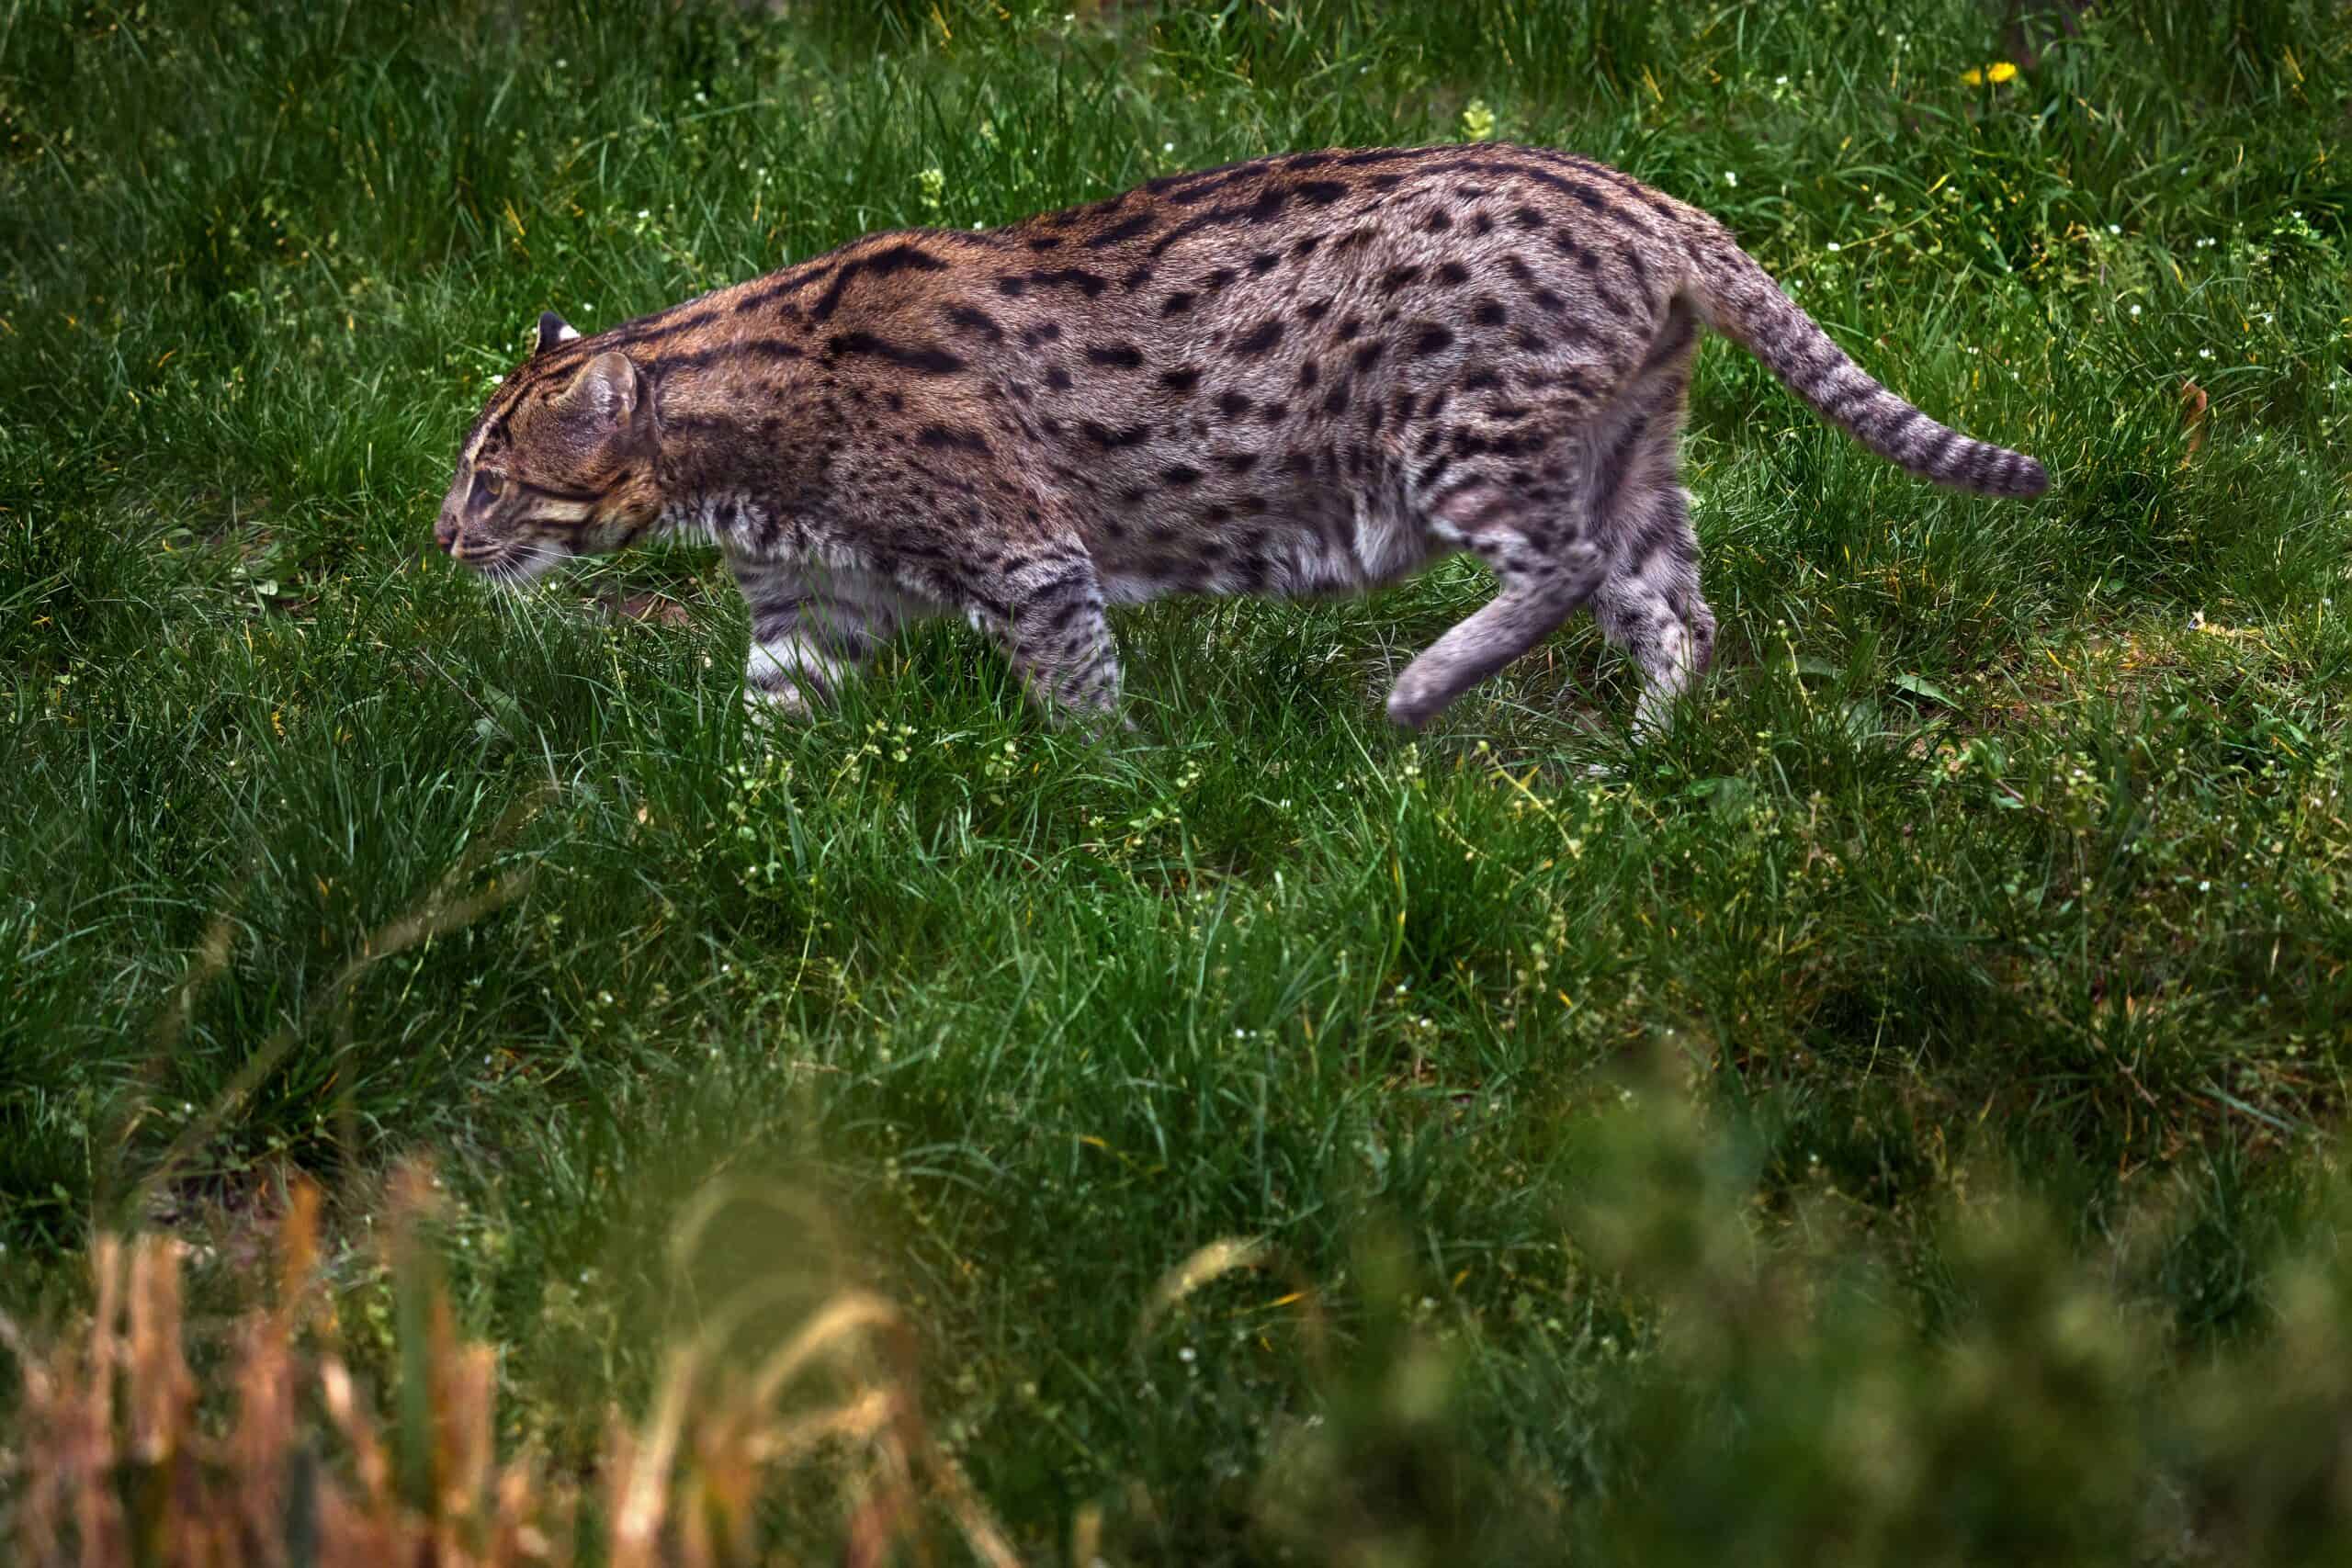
[813, 629]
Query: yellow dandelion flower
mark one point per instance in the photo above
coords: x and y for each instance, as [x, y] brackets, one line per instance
[1998, 72]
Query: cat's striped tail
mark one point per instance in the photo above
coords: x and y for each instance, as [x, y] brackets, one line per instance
[1739, 299]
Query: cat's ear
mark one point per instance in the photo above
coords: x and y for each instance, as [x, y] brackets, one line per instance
[609, 389]
[553, 330]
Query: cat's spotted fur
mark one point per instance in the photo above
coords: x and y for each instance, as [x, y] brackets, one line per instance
[1304, 375]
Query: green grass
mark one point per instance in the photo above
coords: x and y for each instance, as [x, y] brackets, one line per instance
[1980, 853]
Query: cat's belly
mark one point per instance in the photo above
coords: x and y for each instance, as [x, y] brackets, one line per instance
[1308, 545]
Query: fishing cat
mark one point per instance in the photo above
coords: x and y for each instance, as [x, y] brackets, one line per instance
[1300, 375]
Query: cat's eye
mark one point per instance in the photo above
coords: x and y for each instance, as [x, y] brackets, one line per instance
[488, 488]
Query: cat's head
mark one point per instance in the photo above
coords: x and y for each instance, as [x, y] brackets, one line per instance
[561, 463]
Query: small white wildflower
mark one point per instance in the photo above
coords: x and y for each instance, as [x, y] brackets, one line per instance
[1168, 147]
[2115, 228]
[1833, 247]
[1780, 81]
[2204, 354]
[644, 212]
[495, 380]
[1731, 176]
[2135, 310]
[1187, 1354]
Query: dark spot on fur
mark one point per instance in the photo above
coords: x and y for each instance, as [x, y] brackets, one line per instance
[976, 320]
[1262, 337]
[902, 257]
[1141, 223]
[1112, 440]
[927, 360]
[1090, 284]
[947, 438]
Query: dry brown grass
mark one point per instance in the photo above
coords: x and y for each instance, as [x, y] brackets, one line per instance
[117, 1459]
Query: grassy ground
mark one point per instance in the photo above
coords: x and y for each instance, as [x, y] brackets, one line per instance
[2007, 847]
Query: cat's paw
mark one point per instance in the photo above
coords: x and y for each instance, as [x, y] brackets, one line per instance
[769, 713]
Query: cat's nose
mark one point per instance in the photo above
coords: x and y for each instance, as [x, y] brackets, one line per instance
[445, 531]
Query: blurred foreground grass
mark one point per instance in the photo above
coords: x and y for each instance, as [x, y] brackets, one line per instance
[1773, 1399]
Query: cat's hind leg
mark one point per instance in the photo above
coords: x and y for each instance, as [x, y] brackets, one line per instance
[1543, 572]
[1648, 602]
